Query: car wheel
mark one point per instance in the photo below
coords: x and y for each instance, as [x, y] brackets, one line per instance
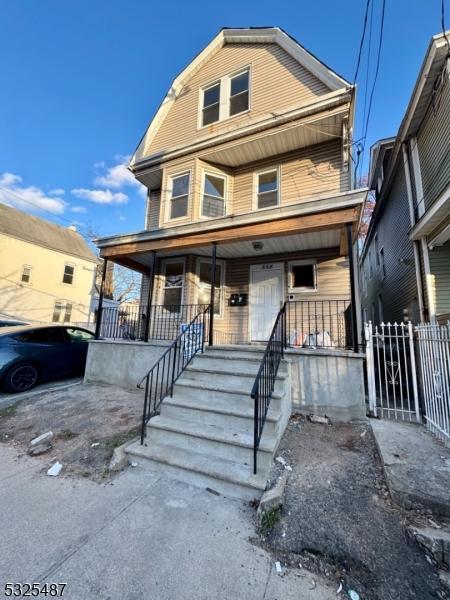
[20, 378]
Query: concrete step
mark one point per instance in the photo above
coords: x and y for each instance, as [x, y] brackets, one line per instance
[191, 388]
[227, 363]
[227, 378]
[211, 440]
[227, 477]
[226, 412]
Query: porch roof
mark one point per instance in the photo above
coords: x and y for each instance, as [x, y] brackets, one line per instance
[306, 226]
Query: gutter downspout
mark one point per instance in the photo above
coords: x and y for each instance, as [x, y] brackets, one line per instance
[412, 221]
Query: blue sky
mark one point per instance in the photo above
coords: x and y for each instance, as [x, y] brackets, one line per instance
[81, 80]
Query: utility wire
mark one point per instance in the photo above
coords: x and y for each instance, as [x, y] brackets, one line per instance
[443, 24]
[361, 43]
[377, 68]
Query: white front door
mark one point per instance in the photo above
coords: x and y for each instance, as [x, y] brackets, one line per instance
[266, 297]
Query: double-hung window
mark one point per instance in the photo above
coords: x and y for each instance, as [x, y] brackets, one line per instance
[172, 288]
[213, 197]
[267, 188]
[204, 285]
[226, 97]
[239, 93]
[69, 272]
[211, 104]
[26, 274]
[179, 196]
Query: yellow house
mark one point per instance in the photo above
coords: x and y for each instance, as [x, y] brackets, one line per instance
[46, 271]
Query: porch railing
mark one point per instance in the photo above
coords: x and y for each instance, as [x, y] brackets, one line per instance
[161, 378]
[265, 379]
[130, 322]
[319, 323]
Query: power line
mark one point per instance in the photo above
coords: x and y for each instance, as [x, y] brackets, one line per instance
[377, 68]
[443, 24]
[361, 44]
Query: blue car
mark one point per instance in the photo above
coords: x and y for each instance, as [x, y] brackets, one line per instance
[29, 354]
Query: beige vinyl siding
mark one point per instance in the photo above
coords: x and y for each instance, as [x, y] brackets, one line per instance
[304, 174]
[440, 269]
[277, 82]
[154, 209]
[333, 282]
[398, 289]
[309, 172]
[433, 142]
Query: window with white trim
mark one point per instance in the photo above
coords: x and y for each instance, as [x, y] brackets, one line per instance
[68, 275]
[26, 274]
[225, 98]
[211, 104]
[179, 195]
[267, 188]
[239, 93]
[172, 286]
[213, 197]
[62, 311]
[204, 285]
[302, 276]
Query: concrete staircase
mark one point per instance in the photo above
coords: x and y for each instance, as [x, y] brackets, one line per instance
[204, 434]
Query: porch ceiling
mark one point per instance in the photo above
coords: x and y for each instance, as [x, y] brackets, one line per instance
[273, 245]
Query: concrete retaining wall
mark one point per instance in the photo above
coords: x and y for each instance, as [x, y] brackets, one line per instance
[121, 363]
[328, 382]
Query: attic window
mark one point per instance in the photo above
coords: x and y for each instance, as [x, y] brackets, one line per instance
[239, 93]
[225, 98]
[211, 104]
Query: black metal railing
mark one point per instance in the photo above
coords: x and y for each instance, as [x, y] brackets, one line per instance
[265, 379]
[129, 322]
[161, 378]
[319, 323]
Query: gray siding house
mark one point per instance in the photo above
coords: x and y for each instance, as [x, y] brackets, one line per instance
[405, 260]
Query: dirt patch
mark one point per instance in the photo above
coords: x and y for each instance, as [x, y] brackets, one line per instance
[337, 517]
[88, 421]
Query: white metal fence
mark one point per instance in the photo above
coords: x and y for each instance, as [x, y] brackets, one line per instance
[434, 352]
[405, 364]
[391, 371]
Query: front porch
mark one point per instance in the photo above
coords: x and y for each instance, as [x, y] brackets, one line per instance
[245, 274]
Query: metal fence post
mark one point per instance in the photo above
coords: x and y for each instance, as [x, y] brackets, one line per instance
[212, 299]
[98, 323]
[370, 369]
[413, 371]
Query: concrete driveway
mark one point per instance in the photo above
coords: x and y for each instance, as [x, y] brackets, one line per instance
[138, 536]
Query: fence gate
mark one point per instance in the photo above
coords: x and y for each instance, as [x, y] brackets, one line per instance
[391, 371]
[434, 352]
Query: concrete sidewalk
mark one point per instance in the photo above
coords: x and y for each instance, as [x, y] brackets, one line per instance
[141, 536]
[416, 465]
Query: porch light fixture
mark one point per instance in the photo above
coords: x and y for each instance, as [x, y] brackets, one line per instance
[258, 246]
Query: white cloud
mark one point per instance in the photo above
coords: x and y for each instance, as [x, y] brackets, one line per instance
[118, 176]
[78, 209]
[29, 199]
[100, 196]
[57, 192]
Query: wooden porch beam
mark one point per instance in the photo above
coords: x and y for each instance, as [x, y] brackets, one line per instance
[130, 264]
[288, 226]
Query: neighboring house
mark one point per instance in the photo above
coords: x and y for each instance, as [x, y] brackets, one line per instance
[46, 271]
[248, 157]
[405, 261]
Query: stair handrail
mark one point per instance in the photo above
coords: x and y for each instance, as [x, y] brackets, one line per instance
[161, 378]
[264, 384]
